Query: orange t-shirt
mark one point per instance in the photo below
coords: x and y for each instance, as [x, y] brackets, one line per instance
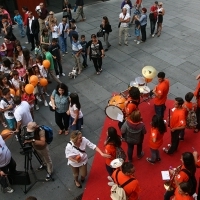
[179, 196]
[155, 134]
[132, 189]
[178, 118]
[182, 176]
[195, 94]
[129, 107]
[111, 150]
[162, 89]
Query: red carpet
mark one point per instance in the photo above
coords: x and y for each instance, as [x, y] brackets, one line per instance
[149, 176]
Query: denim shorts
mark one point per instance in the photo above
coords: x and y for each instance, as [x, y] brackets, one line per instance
[11, 123]
[137, 32]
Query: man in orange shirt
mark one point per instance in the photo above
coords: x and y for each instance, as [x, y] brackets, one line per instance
[177, 124]
[161, 91]
[132, 189]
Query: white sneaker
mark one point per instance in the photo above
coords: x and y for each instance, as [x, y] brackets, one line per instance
[66, 52]
[16, 137]
[135, 40]
[153, 35]
[8, 190]
[111, 183]
[26, 42]
[38, 98]
[63, 74]
[58, 76]
[37, 107]
[45, 103]
[138, 42]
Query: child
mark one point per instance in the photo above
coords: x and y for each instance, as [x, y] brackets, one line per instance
[54, 30]
[84, 51]
[21, 70]
[77, 49]
[72, 31]
[5, 82]
[43, 72]
[38, 49]
[15, 80]
[30, 98]
[19, 21]
[158, 128]
[54, 49]
[45, 37]
[36, 71]
[7, 107]
[72, 23]
[137, 30]
[6, 66]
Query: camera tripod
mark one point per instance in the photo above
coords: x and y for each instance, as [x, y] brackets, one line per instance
[28, 165]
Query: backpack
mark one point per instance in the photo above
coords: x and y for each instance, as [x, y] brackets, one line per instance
[48, 133]
[117, 191]
[191, 119]
[120, 153]
[192, 180]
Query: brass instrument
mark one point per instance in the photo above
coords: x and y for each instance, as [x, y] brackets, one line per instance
[169, 185]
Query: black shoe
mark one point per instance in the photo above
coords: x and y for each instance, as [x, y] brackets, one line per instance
[106, 49]
[15, 173]
[141, 155]
[181, 139]
[109, 45]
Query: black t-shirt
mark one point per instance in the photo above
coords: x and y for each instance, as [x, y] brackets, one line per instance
[55, 50]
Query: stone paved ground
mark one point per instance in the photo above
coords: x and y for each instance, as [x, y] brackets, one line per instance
[176, 52]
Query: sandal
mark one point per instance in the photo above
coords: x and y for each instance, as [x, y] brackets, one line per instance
[98, 73]
[60, 132]
[66, 132]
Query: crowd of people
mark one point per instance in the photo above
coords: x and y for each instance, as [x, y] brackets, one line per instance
[48, 40]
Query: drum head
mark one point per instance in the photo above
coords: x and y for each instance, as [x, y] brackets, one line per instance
[112, 112]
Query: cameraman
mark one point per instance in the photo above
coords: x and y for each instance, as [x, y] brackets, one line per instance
[41, 147]
[7, 164]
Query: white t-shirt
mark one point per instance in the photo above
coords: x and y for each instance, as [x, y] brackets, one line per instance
[121, 15]
[5, 69]
[15, 83]
[22, 113]
[4, 105]
[55, 32]
[43, 72]
[5, 154]
[72, 113]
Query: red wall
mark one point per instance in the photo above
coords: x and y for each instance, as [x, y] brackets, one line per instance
[31, 4]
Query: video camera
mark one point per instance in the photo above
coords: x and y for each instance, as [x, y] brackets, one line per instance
[38, 10]
[27, 136]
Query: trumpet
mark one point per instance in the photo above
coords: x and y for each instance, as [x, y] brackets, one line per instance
[170, 185]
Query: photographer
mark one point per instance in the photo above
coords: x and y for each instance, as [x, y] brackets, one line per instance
[7, 164]
[41, 147]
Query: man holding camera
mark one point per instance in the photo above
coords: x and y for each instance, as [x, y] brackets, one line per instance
[41, 147]
[7, 164]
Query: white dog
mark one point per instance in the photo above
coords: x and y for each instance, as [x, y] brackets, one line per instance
[73, 73]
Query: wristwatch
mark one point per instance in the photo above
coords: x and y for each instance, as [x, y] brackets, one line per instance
[33, 140]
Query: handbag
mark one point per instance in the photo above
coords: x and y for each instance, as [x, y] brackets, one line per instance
[100, 33]
[51, 107]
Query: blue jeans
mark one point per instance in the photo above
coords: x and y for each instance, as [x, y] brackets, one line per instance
[109, 170]
[63, 44]
[21, 30]
[160, 109]
[154, 154]
[84, 59]
[131, 148]
[78, 124]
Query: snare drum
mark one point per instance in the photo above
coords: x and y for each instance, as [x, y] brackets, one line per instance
[144, 91]
[115, 107]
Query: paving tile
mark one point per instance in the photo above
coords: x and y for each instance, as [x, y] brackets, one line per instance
[188, 67]
[168, 57]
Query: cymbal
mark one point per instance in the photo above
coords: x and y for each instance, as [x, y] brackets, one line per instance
[149, 72]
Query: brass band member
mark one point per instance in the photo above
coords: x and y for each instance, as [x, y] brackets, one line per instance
[188, 167]
[131, 103]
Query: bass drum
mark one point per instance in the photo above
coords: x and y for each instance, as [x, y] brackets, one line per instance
[115, 107]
